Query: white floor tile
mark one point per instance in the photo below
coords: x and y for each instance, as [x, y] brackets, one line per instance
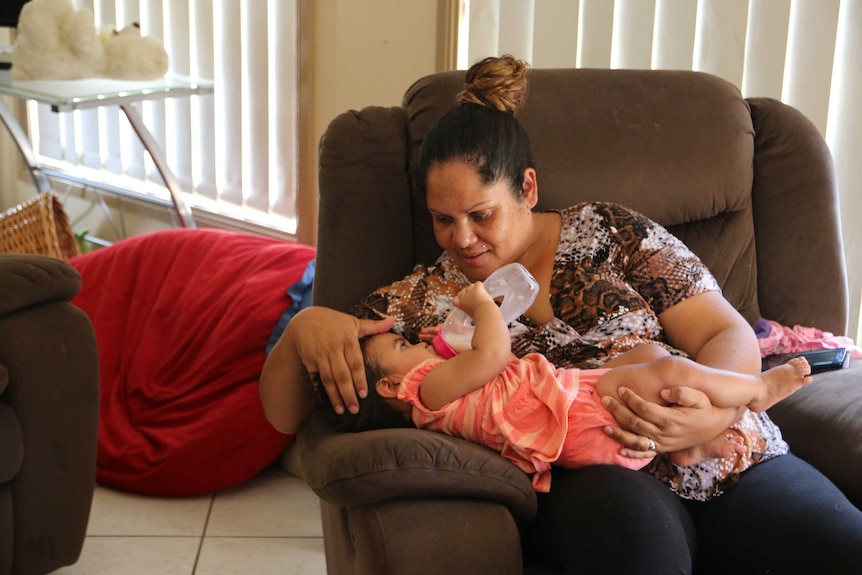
[270, 524]
[261, 556]
[274, 504]
[120, 513]
[136, 556]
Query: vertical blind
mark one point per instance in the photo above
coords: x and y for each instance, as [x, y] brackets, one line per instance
[802, 52]
[234, 152]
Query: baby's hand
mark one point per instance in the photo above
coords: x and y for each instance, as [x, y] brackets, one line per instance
[429, 333]
[471, 297]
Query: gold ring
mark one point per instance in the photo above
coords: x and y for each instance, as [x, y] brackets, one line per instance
[652, 445]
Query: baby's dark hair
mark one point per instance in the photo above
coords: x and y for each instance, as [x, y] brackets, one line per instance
[482, 129]
[375, 412]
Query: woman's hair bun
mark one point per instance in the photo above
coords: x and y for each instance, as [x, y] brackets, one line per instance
[496, 82]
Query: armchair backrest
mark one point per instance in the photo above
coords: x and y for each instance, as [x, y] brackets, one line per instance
[749, 185]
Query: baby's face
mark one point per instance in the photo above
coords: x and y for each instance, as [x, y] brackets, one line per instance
[396, 356]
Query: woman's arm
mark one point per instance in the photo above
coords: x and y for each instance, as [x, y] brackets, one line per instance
[321, 343]
[711, 332]
[706, 327]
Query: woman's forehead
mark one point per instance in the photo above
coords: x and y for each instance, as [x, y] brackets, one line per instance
[464, 195]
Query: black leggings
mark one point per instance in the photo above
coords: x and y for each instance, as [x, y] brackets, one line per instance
[783, 517]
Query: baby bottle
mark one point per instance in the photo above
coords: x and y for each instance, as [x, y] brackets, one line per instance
[513, 283]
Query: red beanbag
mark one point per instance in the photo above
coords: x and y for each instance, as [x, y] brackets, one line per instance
[182, 319]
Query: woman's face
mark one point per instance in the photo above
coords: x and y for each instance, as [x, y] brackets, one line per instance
[481, 226]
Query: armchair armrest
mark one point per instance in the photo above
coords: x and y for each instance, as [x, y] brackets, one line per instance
[376, 466]
[795, 188]
[29, 280]
[49, 410]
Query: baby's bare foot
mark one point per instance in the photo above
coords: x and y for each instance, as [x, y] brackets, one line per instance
[781, 382]
[727, 444]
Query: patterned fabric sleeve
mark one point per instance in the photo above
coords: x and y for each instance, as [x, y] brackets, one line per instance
[615, 270]
[422, 299]
[659, 265]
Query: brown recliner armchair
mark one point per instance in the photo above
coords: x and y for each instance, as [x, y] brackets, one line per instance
[749, 185]
[49, 408]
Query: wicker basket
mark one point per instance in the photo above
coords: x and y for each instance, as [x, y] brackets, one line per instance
[39, 226]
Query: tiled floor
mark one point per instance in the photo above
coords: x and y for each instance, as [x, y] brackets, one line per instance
[269, 525]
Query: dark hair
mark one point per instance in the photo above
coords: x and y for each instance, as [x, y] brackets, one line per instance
[482, 128]
[375, 412]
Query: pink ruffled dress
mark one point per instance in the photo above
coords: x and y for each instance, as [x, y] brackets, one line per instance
[533, 413]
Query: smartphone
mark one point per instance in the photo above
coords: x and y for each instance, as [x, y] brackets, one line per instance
[818, 359]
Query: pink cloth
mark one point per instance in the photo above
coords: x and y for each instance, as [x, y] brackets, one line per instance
[783, 339]
[533, 413]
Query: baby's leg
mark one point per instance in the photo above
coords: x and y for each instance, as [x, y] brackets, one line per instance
[641, 370]
[723, 388]
[642, 353]
[780, 382]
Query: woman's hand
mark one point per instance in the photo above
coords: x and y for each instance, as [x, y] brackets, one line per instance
[327, 342]
[690, 420]
[321, 345]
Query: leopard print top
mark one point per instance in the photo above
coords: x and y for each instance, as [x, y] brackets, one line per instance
[615, 272]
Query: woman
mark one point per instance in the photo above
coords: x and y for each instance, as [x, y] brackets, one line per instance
[609, 279]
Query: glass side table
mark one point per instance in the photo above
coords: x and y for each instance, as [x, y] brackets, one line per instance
[70, 95]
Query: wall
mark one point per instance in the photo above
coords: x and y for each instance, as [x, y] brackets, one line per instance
[8, 152]
[369, 52]
[8, 163]
[360, 54]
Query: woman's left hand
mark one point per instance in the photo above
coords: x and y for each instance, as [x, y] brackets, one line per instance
[648, 428]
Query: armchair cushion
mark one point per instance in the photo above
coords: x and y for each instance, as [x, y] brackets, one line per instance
[822, 423]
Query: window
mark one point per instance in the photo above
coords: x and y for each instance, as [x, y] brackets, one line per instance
[234, 152]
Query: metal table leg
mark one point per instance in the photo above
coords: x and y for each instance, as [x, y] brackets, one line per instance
[184, 213]
[23, 143]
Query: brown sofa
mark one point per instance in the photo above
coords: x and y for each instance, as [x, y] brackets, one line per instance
[49, 402]
[749, 185]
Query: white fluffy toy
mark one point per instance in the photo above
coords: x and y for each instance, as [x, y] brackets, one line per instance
[57, 42]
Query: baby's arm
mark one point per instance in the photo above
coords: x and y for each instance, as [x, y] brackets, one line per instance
[473, 368]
